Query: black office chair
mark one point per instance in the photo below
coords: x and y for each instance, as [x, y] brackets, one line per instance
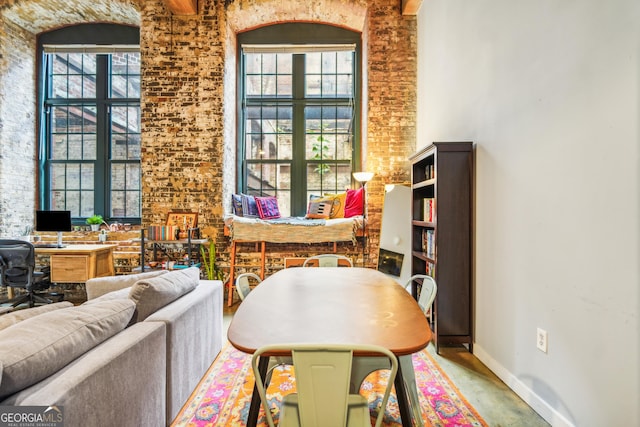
[17, 270]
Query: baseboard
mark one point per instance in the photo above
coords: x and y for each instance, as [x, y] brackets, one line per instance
[546, 411]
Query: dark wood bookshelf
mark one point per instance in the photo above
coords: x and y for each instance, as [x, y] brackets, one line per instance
[443, 171]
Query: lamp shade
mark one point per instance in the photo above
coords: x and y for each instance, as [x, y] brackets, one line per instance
[363, 177]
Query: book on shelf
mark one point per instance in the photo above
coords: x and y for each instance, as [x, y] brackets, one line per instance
[162, 232]
[429, 243]
[429, 210]
[429, 172]
[430, 269]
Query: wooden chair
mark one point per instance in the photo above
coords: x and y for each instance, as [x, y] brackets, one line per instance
[322, 381]
[328, 260]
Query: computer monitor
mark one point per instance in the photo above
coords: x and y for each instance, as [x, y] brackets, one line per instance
[57, 221]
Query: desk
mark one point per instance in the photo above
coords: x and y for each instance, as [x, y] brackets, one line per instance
[330, 305]
[79, 263]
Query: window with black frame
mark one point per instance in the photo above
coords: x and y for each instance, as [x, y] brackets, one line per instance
[90, 132]
[299, 127]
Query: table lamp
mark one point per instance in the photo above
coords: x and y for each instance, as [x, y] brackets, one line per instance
[363, 178]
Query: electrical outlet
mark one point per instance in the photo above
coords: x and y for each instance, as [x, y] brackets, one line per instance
[541, 340]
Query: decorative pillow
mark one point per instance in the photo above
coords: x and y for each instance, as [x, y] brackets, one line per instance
[99, 286]
[17, 316]
[339, 199]
[268, 207]
[354, 203]
[42, 345]
[236, 204]
[318, 209]
[249, 206]
[153, 294]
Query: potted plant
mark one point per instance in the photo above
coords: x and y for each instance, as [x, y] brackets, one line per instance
[95, 221]
[209, 262]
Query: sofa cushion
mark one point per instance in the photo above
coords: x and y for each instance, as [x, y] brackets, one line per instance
[17, 316]
[119, 294]
[152, 294]
[101, 285]
[37, 347]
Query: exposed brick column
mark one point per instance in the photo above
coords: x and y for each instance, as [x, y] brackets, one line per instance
[391, 103]
[17, 129]
[182, 113]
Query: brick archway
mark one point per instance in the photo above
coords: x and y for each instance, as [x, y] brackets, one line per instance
[244, 15]
[20, 23]
[36, 16]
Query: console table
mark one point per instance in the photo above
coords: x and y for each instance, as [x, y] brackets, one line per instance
[79, 263]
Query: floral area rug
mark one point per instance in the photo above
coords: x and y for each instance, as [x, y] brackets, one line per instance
[223, 396]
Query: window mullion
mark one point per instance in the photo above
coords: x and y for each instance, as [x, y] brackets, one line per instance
[298, 167]
[102, 184]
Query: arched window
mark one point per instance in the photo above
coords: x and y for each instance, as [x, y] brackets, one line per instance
[90, 121]
[299, 112]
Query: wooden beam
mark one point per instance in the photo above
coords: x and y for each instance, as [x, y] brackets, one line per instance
[411, 7]
[183, 7]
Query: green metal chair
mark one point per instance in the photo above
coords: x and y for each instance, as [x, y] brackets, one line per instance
[322, 375]
[363, 366]
[328, 260]
[243, 284]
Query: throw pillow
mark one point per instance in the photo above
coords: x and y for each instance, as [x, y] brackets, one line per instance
[42, 345]
[268, 207]
[99, 286]
[236, 204]
[17, 316]
[339, 200]
[354, 205]
[249, 206]
[153, 294]
[318, 209]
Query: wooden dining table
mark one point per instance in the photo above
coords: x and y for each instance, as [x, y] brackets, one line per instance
[333, 305]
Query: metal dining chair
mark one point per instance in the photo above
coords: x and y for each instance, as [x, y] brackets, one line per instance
[328, 260]
[243, 287]
[243, 284]
[322, 396]
[363, 366]
[428, 290]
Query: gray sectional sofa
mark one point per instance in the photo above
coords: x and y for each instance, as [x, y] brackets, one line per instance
[130, 356]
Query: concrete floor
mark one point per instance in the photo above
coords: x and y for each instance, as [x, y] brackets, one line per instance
[494, 401]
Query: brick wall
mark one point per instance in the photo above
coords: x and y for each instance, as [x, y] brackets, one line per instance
[188, 97]
[17, 129]
[189, 102]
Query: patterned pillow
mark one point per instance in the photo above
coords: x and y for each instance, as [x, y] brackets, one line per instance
[249, 206]
[354, 203]
[339, 199]
[236, 204]
[319, 209]
[268, 207]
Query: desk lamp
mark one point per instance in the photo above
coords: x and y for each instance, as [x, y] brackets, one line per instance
[363, 178]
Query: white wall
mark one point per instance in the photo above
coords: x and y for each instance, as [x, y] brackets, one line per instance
[549, 92]
[395, 227]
